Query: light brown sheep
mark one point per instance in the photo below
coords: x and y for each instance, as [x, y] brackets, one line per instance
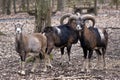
[35, 44]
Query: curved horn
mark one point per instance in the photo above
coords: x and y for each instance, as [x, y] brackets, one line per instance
[64, 17]
[88, 17]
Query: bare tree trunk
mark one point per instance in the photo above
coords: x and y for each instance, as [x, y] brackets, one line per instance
[95, 3]
[116, 4]
[3, 6]
[28, 5]
[23, 4]
[14, 5]
[8, 7]
[60, 5]
[43, 9]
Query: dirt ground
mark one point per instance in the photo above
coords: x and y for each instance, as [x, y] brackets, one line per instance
[10, 60]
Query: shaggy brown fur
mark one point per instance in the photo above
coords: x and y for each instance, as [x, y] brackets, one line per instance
[35, 44]
[92, 39]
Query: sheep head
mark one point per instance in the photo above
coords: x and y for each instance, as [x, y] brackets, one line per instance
[18, 27]
[72, 18]
[82, 19]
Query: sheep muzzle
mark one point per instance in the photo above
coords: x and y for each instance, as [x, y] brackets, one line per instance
[78, 27]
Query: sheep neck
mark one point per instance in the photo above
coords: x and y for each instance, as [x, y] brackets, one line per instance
[85, 29]
[86, 33]
[19, 42]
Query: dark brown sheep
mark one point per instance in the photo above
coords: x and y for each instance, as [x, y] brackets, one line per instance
[62, 36]
[92, 39]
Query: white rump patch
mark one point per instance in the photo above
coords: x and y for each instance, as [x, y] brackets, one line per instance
[58, 30]
[101, 34]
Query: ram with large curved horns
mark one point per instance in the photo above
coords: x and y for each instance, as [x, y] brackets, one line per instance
[62, 36]
[78, 18]
[92, 39]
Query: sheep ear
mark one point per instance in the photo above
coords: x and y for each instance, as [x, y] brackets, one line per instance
[22, 25]
[14, 25]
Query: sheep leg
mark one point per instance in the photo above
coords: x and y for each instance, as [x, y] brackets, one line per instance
[22, 71]
[68, 51]
[62, 53]
[103, 55]
[23, 57]
[50, 47]
[99, 57]
[35, 64]
[46, 59]
[48, 63]
[84, 61]
[30, 57]
[88, 60]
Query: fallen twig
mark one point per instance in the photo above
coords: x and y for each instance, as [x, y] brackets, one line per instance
[71, 78]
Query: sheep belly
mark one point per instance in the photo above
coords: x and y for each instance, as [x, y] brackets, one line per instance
[34, 44]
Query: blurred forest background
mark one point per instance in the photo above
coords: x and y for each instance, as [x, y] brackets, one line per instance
[8, 6]
[43, 9]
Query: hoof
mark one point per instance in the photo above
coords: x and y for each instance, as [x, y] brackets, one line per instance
[21, 73]
[49, 65]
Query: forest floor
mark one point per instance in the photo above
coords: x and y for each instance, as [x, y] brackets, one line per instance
[10, 60]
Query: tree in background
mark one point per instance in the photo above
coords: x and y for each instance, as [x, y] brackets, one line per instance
[14, 6]
[115, 2]
[3, 6]
[43, 14]
[6, 7]
[61, 5]
[23, 4]
[28, 6]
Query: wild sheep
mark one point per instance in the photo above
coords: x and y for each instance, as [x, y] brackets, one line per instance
[62, 36]
[35, 44]
[92, 39]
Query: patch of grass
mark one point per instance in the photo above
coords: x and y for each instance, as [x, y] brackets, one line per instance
[51, 56]
[1, 33]
[30, 59]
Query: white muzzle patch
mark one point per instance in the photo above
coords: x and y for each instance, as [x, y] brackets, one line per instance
[78, 27]
[18, 30]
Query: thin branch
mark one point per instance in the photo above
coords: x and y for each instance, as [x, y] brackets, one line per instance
[80, 77]
[112, 28]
